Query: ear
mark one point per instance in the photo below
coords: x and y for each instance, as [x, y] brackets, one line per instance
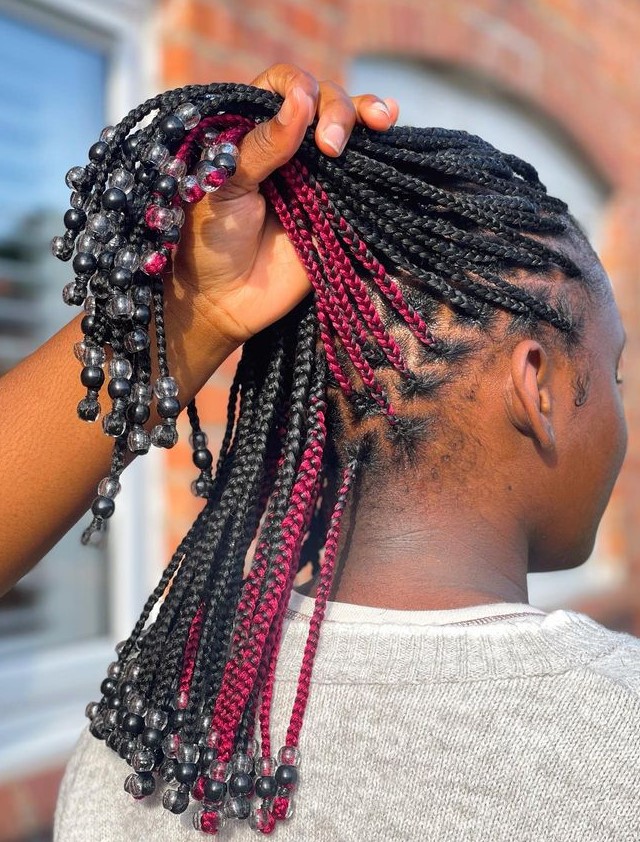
[529, 396]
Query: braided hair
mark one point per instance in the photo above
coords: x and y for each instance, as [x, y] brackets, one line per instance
[413, 241]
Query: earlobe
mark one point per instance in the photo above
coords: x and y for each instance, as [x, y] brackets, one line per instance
[529, 395]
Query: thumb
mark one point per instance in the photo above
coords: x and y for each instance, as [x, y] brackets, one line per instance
[274, 142]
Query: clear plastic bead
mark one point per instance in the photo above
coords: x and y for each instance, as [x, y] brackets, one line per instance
[87, 244]
[235, 808]
[168, 771]
[209, 821]
[108, 133]
[212, 737]
[189, 189]
[116, 243]
[122, 179]
[75, 178]
[210, 137]
[204, 723]
[109, 487]
[165, 387]
[111, 719]
[120, 306]
[175, 801]
[133, 785]
[59, 247]
[137, 704]
[159, 219]
[170, 745]
[209, 177]
[133, 670]
[72, 294]
[181, 700]
[242, 763]
[200, 487]
[92, 710]
[113, 424]
[100, 226]
[178, 217]
[90, 305]
[266, 767]
[189, 115]
[259, 819]
[156, 719]
[89, 409]
[153, 262]
[289, 756]
[143, 760]
[164, 435]
[127, 258]
[156, 154]
[137, 340]
[175, 167]
[94, 355]
[187, 753]
[139, 440]
[141, 393]
[120, 647]
[79, 350]
[142, 295]
[120, 367]
[252, 747]
[227, 149]
[78, 200]
[114, 670]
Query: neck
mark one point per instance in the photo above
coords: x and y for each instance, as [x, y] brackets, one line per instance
[435, 554]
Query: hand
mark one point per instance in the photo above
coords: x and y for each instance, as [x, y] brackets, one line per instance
[235, 264]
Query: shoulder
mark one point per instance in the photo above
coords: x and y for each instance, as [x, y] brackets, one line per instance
[618, 662]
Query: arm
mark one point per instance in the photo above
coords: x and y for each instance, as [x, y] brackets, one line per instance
[235, 273]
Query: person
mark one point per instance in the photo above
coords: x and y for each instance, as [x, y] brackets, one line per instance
[433, 397]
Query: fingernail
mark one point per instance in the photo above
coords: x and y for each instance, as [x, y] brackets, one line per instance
[382, 107]
[334, 137]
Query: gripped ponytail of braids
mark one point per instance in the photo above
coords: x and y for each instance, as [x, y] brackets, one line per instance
[182, 701]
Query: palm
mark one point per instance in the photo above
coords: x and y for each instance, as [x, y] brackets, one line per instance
[247, 271]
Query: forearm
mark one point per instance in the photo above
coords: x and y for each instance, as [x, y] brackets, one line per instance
[50, 461]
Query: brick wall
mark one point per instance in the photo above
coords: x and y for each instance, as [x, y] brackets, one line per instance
[576, 62]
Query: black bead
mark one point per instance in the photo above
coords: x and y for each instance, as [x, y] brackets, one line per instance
[172, 128]
[114, 199]
[147, 175]
[286, 775]
[226, 161]
[186, 773]
[121, 277]
[98, 152]
[168, 407]
[115, 702]
[151, 737]
[142, 314]
[133, 724]
[105, 260]
[103, 507]
[138, 413]
[170, 236]
[207, 756]
[108, 687]
[88, 325]
[214, 790]
[202, 459]
[240, 784]
[266, 787]
[75, 218]
[84, 263]
[177, 719]
[166, 185]
[92, 376]
[125, 688]
[199, 440]
[119, 387]
[130, 144]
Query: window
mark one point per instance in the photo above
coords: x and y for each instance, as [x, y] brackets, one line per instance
[67, 68]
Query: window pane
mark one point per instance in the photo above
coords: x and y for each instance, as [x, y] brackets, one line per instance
[52, 103]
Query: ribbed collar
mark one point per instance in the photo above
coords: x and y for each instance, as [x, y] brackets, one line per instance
[359, 651]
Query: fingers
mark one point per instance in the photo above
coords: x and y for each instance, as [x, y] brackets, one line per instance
[274, 142]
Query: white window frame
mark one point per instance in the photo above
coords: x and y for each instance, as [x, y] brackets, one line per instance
[43, 693]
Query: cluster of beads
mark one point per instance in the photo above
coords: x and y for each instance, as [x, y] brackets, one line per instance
[122, 227]
[153, 741]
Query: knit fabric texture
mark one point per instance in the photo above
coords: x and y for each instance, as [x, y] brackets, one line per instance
[491, 723]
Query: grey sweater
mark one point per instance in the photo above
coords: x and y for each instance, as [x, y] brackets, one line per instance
[490, 724]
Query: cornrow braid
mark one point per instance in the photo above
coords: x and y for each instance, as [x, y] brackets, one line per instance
[404, 226]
